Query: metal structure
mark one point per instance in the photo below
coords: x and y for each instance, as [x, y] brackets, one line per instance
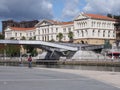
[54, 49]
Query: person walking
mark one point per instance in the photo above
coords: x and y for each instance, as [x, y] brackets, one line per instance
[30, 61]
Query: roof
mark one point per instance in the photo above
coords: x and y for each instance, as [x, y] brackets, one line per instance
[54, 22]
[96, 16]
[66, 23]
[21, 29]
[61, 23]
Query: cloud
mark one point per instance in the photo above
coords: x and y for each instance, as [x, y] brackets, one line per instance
[25, 9]
[71, 9]
[102, 6]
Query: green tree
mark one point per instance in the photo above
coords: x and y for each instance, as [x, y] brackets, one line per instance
[70, 36]
[107, 44]
[60, 36]
[1, 36]
[23, 38]
[12, 50]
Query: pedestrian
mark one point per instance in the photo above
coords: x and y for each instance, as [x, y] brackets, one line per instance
[20, 61]
[30, 61]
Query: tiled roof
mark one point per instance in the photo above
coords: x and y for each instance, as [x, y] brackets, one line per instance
[66, 23]
[54, 22]
[22, 29]
[60, 23]
[96, 16]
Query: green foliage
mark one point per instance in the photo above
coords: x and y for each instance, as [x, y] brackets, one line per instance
[23, 38]
[60, 36]
[107, 44]
[70, 36]
[12, 50]
[1, 36]
[34, 52]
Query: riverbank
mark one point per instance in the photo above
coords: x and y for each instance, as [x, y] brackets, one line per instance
[114, 63]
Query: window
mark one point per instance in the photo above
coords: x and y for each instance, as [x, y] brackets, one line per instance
[30, 34]
[113, 33]
[39, 31]
[16, 34]
[103, 33]
[42, 31]
[69, 29]
[33, 33]
[51, 30]
[108, 33]
[64, 30]
[93, 32]
[82, 33]
[98, 33]
[56, 30]
[20, 34]
[78, 33]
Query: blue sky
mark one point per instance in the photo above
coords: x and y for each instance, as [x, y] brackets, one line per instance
[62, 10]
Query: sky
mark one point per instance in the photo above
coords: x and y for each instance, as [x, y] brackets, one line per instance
[61, 10]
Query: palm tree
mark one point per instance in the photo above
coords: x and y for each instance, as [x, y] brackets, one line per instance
[23, 38]
[70, 36]
[60, 36]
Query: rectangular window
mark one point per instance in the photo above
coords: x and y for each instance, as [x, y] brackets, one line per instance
[20, 34]
[64, 30]
[16, 34]
[69, 29]
[56, 30]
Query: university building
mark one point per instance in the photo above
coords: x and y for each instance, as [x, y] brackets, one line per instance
[87, 28]
[23, 24]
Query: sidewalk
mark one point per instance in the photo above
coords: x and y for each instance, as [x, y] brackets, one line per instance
[111, 78]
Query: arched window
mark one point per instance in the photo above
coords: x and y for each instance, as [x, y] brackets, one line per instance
[82, 33]
[86, 32]
[93, 32]
[113, 33]
[92, 24]
[85, 24]
[78, 33]
[108, 33]
[104, 33]
[98, 33]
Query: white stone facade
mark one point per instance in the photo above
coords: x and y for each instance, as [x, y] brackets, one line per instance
[84, 26]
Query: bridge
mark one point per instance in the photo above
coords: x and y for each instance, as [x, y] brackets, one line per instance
[54, 49]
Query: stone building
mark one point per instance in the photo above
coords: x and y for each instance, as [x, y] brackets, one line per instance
[23, 24]
[87, 28]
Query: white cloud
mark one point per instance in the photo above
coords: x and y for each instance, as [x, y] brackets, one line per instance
[71, 9]
[26, 9]
[102, 6]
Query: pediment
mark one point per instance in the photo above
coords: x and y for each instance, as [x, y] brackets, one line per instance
[43, 23]
[81, 16]
[7, 28]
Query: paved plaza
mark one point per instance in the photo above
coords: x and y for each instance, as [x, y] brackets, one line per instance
[23, 78]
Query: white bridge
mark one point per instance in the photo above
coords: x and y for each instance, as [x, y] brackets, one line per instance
[55, 49]
[34, 42]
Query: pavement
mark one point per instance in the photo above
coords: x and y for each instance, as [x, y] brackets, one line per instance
[23, 78]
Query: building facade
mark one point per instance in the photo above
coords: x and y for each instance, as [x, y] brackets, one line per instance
[94, 29]
[23, 24]
[20, 33]
[87, 28]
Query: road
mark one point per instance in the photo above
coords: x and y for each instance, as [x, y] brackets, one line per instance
[23, 78]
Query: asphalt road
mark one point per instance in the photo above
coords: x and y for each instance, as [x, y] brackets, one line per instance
[23, 78]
